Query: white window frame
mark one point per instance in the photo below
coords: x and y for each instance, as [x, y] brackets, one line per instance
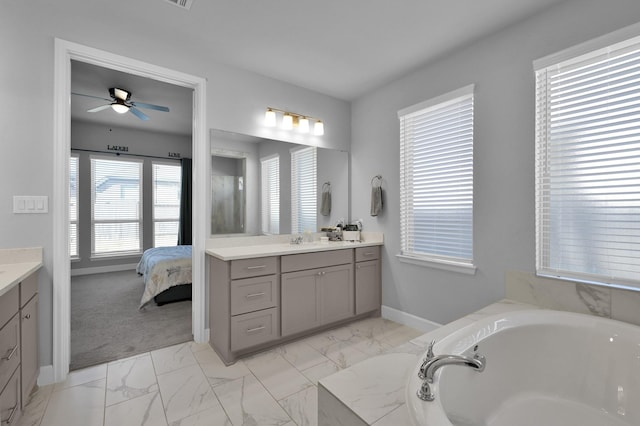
[270, 194]
[456, 186]
[304, 194]
[74, 222]
[140, 221]
[176, 219]
[554, 256]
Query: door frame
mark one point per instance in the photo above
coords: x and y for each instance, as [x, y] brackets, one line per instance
[66, 51]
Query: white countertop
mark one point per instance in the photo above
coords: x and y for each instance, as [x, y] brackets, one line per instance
[16, 265]
[284, 248]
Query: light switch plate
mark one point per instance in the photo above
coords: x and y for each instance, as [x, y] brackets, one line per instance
[30, 204]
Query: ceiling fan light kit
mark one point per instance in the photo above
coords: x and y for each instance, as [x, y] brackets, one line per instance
[121, 103]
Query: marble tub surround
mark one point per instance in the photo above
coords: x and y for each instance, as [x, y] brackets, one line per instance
[188, 384]
[372, 392]
[563, 295]
[17, 264]
[233, 248]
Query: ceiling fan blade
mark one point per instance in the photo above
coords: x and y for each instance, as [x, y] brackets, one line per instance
[90, 96]
[141, 115]
[100, 108]
[150, 106]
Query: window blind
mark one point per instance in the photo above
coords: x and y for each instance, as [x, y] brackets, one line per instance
[270, 169]
[587, 166]
[436, 178]
[116, 213]
[166, 203]
[303, 190]
[73, 206]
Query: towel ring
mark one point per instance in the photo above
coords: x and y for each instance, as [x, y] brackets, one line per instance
[326, 185]
[379, 180]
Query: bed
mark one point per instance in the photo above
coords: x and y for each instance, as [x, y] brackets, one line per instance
[166, 272]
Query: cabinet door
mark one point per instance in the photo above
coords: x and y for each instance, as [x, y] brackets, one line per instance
[29, 347]
[10, 410]
[299, 301]
[367, 286]
[336, 293]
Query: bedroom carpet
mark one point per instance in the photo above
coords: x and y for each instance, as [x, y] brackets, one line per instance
[106, 324]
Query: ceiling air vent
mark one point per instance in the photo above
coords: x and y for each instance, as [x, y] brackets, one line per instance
[184, 4]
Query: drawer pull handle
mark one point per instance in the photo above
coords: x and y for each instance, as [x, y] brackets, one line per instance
[251, 268]
[28, 316]
[248, 296]
[253, 330]
[11, 353]
[13, 413]
[368, 253]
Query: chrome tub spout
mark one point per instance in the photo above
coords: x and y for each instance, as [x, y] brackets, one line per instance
[432, 363]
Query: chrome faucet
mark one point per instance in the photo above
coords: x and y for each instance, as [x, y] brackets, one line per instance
[432, 363]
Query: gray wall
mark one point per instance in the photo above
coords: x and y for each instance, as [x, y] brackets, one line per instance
[236, 101]
[504, 227]
[93, 137]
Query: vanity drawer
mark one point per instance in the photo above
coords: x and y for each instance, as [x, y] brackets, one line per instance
[9, 304]
[254, 328]
[245, 268]
[321, 259]
[253, 294]
[367, 253]
[28, 288]
[9, 350]
[10, 401]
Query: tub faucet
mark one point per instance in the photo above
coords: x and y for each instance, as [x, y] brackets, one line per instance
[432, 363]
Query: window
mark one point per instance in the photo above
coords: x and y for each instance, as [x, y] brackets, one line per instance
[303, 190]
[73, 207]
[587, 156]
[166, 203]
[116, 213]
[270, 209]
[436, 181]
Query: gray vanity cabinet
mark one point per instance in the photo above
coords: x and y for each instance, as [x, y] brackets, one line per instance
[319, 290]
[368, 280]
[257, 302]
[244, 301]
[19, 366]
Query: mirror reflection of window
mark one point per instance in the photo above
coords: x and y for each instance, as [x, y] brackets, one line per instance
[304, 199]
[270, 189]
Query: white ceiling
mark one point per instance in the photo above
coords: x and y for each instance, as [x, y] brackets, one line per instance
[340, 48]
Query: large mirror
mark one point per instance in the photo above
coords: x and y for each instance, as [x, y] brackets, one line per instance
[242, 167]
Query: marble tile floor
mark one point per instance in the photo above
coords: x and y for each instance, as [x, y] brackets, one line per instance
[188, 384]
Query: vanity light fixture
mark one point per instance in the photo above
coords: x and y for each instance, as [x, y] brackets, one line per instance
[270, 118]
[293, 120]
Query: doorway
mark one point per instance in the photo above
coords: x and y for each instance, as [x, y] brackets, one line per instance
[65, 52]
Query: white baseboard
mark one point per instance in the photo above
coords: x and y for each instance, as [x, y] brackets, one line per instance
[102, 269]
[46, 375]
[409, 320]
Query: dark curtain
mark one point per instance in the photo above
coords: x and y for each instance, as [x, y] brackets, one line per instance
[184, 227]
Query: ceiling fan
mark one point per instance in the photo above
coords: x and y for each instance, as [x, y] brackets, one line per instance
[121, 103]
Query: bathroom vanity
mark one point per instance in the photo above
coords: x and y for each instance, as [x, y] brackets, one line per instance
[261, 295]
[19, 365]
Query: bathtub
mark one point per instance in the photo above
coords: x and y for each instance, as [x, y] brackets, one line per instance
[542, 368]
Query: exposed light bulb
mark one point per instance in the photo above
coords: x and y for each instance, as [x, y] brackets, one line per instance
[287, 121]
[303, 125]
[270, 118]
[318, 128]
[119, 108]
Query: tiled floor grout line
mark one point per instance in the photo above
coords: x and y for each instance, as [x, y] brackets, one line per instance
[302, 353]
